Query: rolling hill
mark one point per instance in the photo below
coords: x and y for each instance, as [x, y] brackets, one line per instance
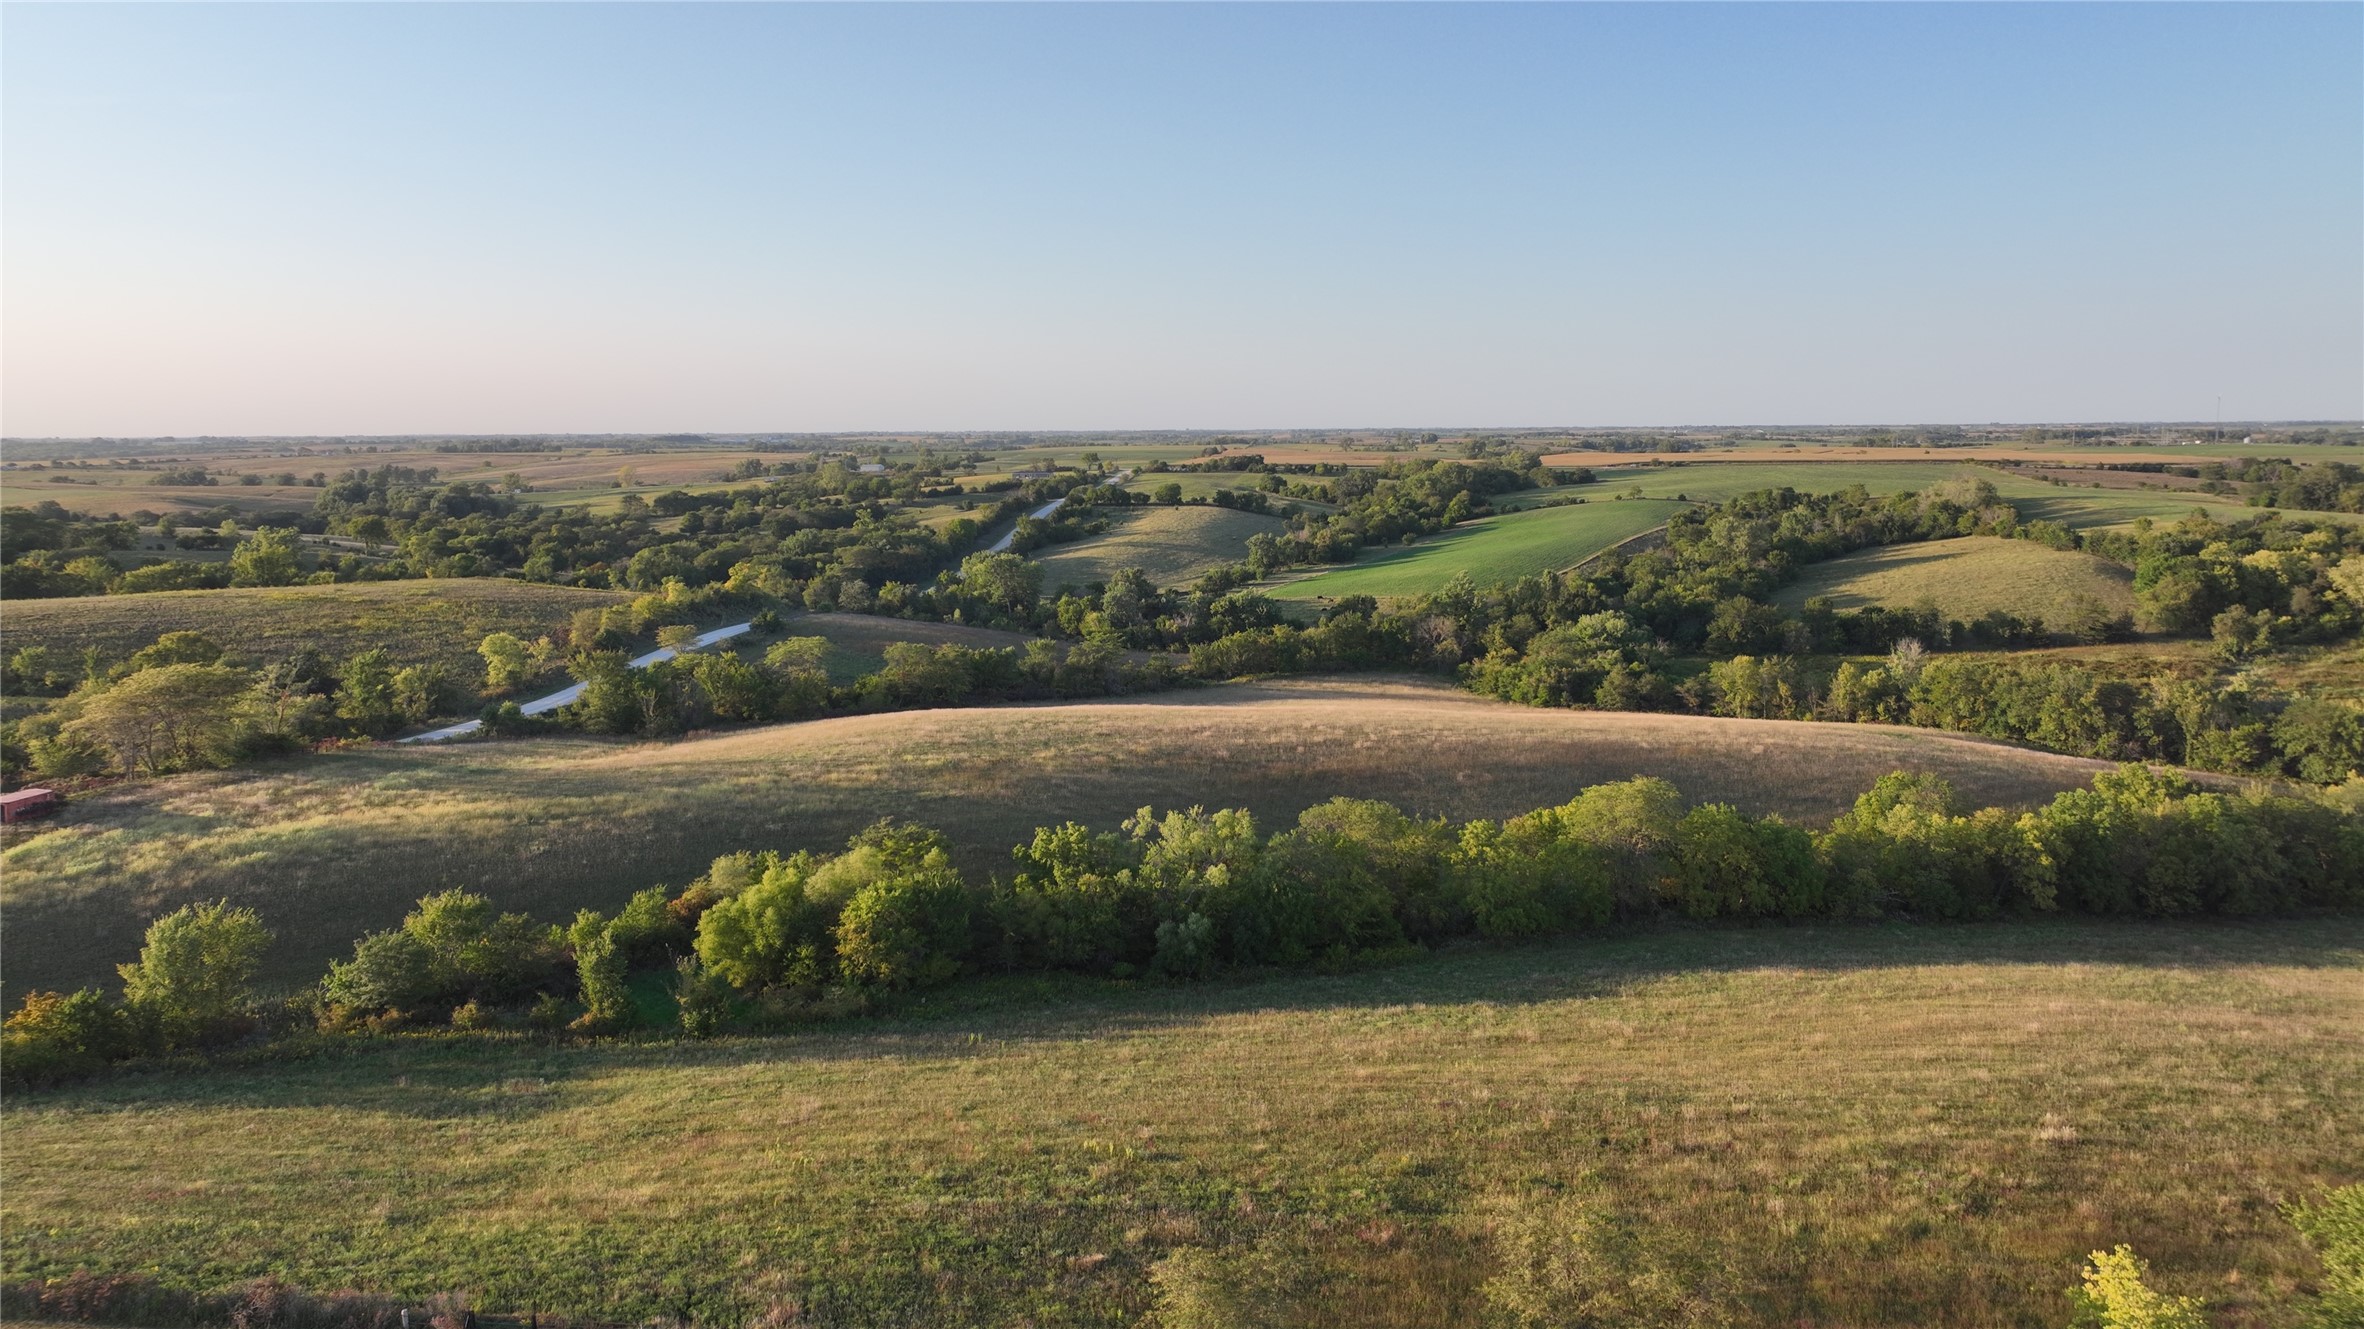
[1171, 544]
[1966, 578]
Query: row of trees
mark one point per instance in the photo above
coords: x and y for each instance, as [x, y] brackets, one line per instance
[1188, 893]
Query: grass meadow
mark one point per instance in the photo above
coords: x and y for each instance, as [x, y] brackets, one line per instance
[1171, 544]
[416, 621]
[1864, 1126]
[1966, 578]
[329, 846]
[1489, 549]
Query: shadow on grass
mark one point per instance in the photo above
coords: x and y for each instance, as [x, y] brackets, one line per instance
[444, 1075]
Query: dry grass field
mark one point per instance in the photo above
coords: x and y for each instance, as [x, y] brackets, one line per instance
[1967, 578]
[417, 621]
[330, 846]
[1886, 1125]
[1173, 545]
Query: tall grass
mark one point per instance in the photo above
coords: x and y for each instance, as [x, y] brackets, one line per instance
[1862, 1126]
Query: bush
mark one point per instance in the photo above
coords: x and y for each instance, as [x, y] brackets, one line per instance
[2334, 1226]
[907, 929]
[453, 948]
[191, 982]
[2115, 1297]
[52, 1037]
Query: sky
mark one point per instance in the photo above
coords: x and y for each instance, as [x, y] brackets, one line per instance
[379, 219]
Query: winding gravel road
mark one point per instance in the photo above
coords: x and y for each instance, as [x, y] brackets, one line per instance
[567, 696]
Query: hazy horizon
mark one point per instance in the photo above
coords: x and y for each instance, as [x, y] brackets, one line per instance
[370, 220]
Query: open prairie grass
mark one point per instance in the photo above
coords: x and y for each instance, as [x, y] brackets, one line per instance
[1173, 545]
[417, 621]
[333, 845]
[1861, 1126]
[1489, 550]
[1967, 578]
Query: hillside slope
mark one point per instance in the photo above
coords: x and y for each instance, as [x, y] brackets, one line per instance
[334, 845]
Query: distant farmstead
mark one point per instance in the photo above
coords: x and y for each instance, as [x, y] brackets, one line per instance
[1032, 475]
[874, 468]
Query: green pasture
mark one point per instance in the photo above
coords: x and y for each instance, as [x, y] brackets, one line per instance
[1489, 550]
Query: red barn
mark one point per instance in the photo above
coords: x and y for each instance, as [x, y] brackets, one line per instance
[26, 804]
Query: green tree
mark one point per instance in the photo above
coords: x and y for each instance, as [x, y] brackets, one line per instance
[171, 718]
[266, 558]
[366, 697]
[193, 977]
[508, 662]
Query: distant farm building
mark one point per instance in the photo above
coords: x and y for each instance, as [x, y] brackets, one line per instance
[26, 804]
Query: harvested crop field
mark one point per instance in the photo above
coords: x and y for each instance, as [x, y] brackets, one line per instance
[330, 846]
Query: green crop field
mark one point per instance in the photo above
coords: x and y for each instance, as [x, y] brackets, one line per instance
[1173, 545]
[416, 621]
[550, 825]
[1885, 1125]
[1967, 578]
[1489, 549]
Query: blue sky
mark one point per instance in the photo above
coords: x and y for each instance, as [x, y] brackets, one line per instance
[377, 219]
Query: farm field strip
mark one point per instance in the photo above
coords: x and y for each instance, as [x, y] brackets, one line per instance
[1489, 549]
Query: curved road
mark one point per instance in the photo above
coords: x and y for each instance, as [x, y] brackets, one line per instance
[1002, 546]
[567, 696]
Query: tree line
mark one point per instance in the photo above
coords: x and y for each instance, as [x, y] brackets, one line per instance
[765, 939]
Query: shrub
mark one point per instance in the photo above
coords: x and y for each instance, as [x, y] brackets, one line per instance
[191, 982]
[2334, 1226]
[52, 1037]
[909, 928]
[2115, 1297]
[451, 949]
[703, 997]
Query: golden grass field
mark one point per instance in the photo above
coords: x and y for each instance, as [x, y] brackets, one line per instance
[329, 846]
[416, 621]
[1885, 1125]
[1966, 578]
[1173, 545]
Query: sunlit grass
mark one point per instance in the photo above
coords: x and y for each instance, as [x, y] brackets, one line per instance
[1863, 1126]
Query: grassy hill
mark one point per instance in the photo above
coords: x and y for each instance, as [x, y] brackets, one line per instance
[1490, 549]
[1966, 578]
[1866, 1126]
[418, 621]
[1173, 545]
[332, 845]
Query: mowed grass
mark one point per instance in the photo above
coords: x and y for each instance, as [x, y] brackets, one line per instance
[1967, 578]
[1489, 549]
[1864, 1126]
[418, 622]
[1173, 545]
[329, 846]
